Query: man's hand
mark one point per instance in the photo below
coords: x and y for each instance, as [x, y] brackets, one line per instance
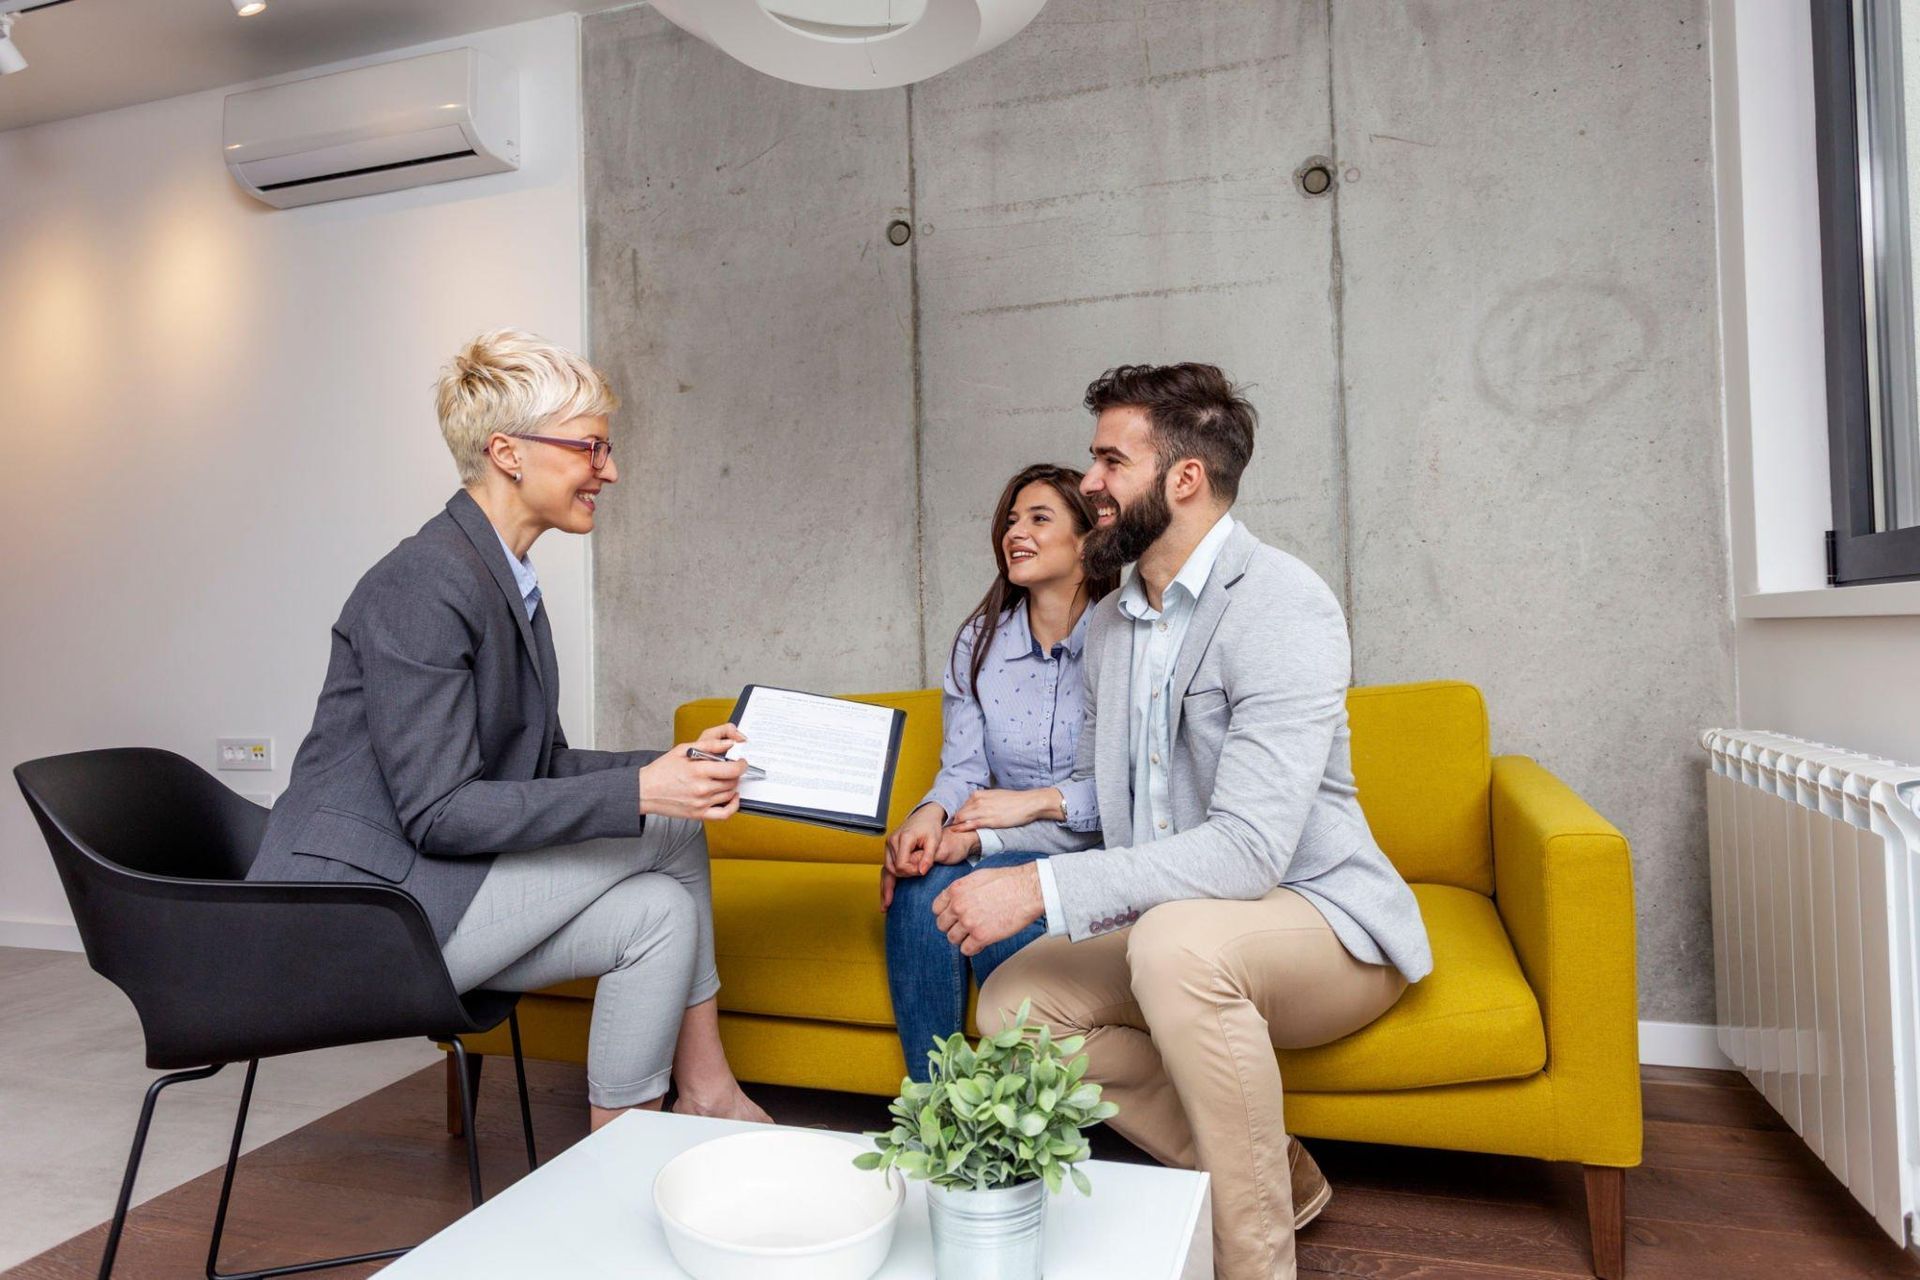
[1002, 809]
[676, 785]
[910, 849]
[979, 910]
[956, 846]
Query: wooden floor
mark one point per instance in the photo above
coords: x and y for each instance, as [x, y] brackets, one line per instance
[1726, 1191]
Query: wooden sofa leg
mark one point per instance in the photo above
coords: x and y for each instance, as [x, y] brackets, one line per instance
[474, 1062]
[1607, 1220]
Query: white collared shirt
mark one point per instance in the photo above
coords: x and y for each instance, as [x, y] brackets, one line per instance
[1157, 637]
[523, 578]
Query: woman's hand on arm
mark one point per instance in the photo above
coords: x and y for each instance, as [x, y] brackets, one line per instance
[676, 785]
[1001, 809]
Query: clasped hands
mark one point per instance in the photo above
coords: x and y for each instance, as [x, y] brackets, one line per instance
[992, 903]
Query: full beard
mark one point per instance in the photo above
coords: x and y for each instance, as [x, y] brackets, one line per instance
[1135, 528]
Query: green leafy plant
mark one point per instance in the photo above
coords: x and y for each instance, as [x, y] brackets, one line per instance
[1005, 1111]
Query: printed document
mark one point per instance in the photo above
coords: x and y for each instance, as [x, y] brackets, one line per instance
[819, 753]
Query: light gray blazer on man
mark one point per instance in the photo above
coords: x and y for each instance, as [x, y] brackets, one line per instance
[1261, 779]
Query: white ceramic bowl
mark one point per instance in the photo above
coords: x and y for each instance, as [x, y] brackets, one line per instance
[777, 1205]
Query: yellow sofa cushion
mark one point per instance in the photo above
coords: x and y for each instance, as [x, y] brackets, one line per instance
[807, 941]
[801, 940]
[748, 836]
[1421, 761]
[1473, 1018]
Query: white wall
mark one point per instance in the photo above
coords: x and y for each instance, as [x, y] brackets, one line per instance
[216, 416]
[1775, 362]
[1848, 681]
[1833, 664]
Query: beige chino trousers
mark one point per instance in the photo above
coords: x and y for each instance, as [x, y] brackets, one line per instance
[1181, 1014]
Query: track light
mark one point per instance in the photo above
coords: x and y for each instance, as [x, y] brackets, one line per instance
[10, 57]
[247, 8]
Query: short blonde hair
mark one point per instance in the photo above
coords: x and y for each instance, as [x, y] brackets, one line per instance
[516, 384]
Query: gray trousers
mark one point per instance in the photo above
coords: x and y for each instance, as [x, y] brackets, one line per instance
[635, 913]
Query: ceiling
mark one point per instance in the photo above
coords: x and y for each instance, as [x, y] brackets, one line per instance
[94, 55]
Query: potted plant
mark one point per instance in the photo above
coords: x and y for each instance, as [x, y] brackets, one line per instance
[994, 1131]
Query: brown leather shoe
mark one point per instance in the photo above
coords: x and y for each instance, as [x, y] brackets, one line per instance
[1311, 1190]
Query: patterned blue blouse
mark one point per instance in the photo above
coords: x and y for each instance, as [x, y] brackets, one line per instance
[1021, 732]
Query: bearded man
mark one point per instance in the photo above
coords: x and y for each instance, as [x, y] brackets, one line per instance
[1239, 902]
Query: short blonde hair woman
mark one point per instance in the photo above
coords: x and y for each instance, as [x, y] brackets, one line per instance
[437, 763]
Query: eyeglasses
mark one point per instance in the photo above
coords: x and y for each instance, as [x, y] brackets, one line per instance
[598, 451]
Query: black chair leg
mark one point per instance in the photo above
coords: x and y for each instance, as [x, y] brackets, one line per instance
[133, 1158]
[475, 1061]
[226, 1192]
[520, 1074]
[466, 1120]
[233, 1160]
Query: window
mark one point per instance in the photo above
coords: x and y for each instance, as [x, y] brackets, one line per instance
[1862, 95]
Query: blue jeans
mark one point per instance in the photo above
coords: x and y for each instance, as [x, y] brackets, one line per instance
[925, 972]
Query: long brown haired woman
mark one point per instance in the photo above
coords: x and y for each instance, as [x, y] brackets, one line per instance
[1012, 720]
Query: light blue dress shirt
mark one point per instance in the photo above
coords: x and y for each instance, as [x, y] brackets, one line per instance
[1023, 728]
[523, 578]
[1157, 636]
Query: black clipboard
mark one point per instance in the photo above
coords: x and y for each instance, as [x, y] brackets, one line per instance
[874, 823]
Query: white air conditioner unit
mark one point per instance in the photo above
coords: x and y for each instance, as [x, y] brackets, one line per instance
[381, 128]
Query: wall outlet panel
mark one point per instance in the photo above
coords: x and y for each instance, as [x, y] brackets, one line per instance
[244, 754]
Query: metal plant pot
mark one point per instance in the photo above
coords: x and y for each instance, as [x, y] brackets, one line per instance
[988, 1235]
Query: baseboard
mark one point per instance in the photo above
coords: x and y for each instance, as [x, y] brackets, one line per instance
[41, 935]
[1665, 1044]
[1680, 1044]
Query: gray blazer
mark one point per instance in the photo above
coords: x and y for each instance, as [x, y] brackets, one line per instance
[436, 743]
[1261, 778]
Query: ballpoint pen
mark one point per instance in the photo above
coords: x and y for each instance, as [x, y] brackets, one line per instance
[754, 772]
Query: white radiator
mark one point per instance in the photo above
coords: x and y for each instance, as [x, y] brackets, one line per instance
[1815, 968]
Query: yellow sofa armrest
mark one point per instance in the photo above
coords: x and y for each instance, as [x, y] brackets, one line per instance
[1563, 884]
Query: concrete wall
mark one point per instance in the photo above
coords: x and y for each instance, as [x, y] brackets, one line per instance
[1532, 396]
[219, 415]
[1113, 186]
[1487, 363]
[745, 300]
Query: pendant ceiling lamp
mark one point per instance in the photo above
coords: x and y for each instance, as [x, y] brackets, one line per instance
[851, 44]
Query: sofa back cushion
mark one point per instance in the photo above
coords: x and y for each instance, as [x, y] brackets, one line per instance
[749, 836]
[1420, 759]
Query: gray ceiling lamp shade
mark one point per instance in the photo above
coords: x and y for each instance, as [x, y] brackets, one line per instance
[852, 44]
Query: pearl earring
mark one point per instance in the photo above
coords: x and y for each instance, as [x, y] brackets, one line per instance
[516, 477]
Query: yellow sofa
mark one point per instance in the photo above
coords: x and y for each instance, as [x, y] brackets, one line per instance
[1523, 1041]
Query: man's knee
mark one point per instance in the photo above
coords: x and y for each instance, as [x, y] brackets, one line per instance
[1001, 996]
[1173, 958]
[1022, 978]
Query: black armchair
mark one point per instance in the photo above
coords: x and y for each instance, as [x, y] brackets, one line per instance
[153, 852]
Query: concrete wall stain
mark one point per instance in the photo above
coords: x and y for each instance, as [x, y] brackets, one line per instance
[1557, 348]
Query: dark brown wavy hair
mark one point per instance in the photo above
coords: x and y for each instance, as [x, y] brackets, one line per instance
[1004, 594]
[1195, 412]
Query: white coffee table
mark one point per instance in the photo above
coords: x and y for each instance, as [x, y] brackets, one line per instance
[588, 1213]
